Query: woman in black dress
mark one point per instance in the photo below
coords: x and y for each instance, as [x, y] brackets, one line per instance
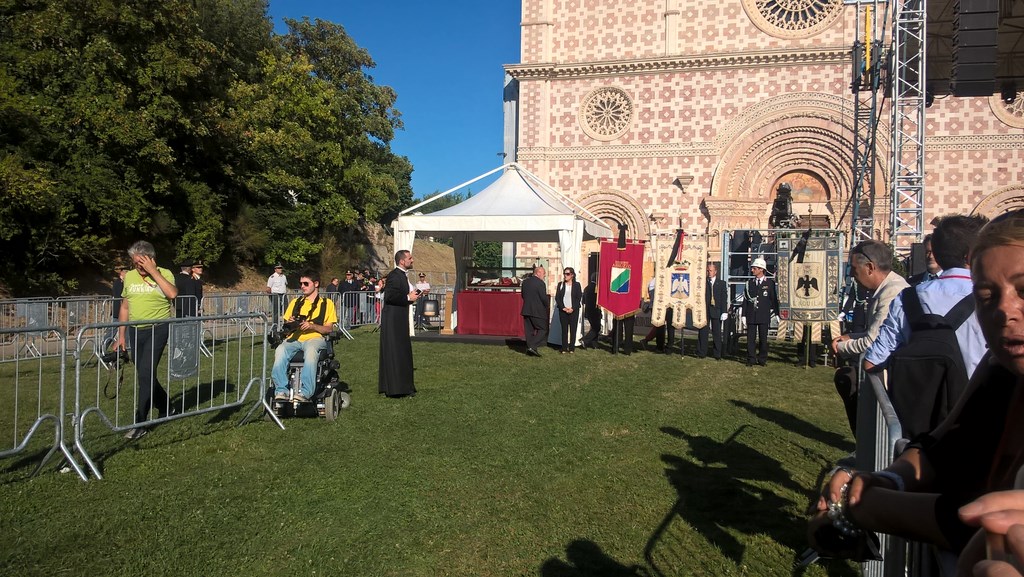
[568, 297]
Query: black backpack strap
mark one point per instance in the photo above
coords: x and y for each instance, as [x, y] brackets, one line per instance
[911, 305]
[960, 312]
[317, 318]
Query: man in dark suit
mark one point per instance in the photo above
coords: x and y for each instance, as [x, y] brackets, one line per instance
[535, 311]
[716, 303]
[760, 302]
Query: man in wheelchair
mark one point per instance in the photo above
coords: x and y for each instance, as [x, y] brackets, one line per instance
[308, 322]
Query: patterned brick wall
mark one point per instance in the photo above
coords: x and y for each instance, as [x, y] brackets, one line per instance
[601, 30]
[720, 111]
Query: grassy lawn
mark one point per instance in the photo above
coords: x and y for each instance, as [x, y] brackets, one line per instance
[570, 465]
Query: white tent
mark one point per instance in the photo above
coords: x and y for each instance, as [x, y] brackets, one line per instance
[518, 207]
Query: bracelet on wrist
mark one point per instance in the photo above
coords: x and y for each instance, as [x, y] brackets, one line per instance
[896, 479]
[837, 513]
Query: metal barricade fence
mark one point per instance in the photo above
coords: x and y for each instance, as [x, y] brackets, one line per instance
[877, 451]
[33, 394]
[359, 308]
[235, 308]
[195, 383]
[28, 313]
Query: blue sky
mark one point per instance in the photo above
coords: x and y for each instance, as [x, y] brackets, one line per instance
[444, 59]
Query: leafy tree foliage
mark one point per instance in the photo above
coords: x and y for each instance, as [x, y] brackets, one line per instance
[187, 123]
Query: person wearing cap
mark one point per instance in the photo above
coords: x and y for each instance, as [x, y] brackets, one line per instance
[197, 277]
[760, 302]
[277, 287]
[424, 287]
[116, 289]
[186, 304]
[349, 284]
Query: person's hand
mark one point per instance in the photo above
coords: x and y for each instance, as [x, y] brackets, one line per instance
[568, 310]
[148, 264]
[725, 316]
[413, 296]
[1001, 518]
[119, 344]
[858, 481]
[830, 492]
[836, 341]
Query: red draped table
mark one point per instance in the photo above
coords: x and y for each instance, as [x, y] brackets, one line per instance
[490, 313]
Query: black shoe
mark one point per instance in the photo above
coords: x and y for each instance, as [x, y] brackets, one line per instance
[750, 364]
[763, 363]
[532, 352]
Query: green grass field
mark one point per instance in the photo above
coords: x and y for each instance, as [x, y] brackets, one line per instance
[570, 465]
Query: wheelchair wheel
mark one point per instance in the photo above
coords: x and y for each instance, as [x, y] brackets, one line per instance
[332, 405]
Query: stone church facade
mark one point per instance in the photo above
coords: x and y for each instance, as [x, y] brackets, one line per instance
[653, 113]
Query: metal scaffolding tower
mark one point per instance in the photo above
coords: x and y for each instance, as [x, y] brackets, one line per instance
[866, 57]
[909, 95]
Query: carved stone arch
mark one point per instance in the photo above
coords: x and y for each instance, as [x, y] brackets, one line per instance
[1001, 201]
[614, 205]
[795, 132]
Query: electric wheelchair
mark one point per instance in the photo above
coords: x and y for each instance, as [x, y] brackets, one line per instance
[331, 394]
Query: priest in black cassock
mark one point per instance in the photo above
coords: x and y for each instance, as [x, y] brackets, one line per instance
[394, 376]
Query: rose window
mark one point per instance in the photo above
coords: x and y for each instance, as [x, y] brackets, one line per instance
[606, 113]
[793, 18]
[1010, 112]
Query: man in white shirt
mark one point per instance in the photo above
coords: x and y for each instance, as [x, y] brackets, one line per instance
[277, 287]
[424, 287]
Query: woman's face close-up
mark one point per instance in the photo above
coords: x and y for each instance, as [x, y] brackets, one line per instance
[999, 295]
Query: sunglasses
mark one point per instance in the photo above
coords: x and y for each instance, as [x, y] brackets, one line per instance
[568, 272]
[860, 251]
[305, 283]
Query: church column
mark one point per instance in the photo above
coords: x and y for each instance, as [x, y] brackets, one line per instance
[672, 13]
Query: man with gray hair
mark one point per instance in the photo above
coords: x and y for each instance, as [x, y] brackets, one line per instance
[871, 267]
[148, 295]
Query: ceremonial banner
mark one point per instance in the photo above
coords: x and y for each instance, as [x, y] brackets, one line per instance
[809, 291]
[620, 278]
[680, 279]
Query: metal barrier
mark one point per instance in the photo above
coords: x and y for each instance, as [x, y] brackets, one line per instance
[359, 308]
[877, 451]
[196, 383]
[64, 313]
[33, 394]
[20, 315]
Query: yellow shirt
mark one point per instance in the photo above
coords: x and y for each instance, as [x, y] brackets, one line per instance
[330, 315]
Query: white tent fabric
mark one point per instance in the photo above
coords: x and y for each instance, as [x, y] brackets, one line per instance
[518, 207]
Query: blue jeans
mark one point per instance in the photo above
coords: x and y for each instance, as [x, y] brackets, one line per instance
[283, 355]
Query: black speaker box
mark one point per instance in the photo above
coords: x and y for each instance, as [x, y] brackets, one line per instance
[918, 261]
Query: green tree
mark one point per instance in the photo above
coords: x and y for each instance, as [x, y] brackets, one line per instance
[188, 123]
[314, 137]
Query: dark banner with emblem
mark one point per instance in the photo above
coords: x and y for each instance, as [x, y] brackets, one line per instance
[620, 279]
[809, 287]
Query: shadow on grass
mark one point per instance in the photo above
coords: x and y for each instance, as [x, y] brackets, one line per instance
[586, 559]
[797, 425]
[725, 488]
